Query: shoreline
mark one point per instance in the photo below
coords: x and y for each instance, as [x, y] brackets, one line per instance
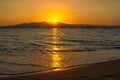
[95, 71]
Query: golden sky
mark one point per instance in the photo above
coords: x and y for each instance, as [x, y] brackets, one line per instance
[104, 12]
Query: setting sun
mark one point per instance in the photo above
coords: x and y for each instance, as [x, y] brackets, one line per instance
[54, 21]
[54, 16]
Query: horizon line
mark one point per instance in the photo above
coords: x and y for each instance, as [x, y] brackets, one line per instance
[89, 24]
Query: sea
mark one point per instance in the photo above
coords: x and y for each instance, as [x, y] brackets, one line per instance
[30, 50]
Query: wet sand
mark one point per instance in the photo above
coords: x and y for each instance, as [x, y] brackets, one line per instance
[99, 71]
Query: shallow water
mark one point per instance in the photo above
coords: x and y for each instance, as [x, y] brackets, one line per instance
[26, 50]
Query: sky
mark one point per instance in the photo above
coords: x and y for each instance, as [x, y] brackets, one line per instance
[101, 12]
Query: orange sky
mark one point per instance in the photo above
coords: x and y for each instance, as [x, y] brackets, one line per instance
[104, 12]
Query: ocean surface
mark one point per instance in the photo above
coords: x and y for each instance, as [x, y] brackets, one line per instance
[27, 50]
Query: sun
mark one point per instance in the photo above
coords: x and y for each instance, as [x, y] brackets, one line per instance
[55, 16]
[55, 21]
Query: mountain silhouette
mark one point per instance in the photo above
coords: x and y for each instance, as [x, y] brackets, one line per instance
[58, 25]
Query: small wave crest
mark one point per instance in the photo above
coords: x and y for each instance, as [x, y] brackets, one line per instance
[19, 64]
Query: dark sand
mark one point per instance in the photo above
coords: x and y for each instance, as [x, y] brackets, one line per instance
[100, 71]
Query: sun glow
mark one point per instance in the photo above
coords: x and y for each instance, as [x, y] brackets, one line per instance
[54, 21]
[53, 16]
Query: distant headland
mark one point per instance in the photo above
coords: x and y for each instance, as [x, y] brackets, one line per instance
[58, 25]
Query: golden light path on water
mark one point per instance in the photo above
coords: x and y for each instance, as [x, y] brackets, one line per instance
[56, 57]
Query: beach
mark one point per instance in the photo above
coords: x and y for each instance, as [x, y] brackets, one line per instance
[99, 71]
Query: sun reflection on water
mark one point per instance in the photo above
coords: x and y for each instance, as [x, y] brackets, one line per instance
[56, 58]
[55, 48]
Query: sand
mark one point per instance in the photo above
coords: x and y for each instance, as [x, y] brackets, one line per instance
[99, 71]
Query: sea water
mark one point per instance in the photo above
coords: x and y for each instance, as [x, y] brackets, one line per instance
[26, 50]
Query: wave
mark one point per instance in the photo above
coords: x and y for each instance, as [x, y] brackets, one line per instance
[73, 50]
[19, 64]
[8, 35]
[112, 47]
[94, 42]
[51, 69]
[33, 49]
[57, 44]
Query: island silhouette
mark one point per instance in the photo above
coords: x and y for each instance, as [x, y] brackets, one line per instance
[58, 25]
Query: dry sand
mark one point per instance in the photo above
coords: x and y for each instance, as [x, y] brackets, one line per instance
[100, 71]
